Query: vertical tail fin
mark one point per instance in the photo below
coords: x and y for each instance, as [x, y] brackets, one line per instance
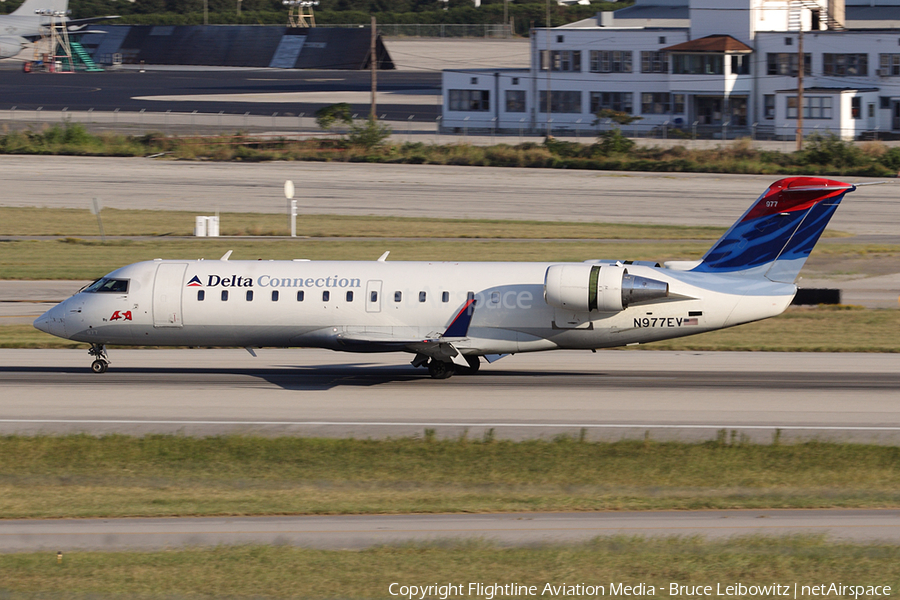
[775, 236]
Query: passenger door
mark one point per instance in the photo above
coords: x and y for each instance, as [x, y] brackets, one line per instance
[167, 292]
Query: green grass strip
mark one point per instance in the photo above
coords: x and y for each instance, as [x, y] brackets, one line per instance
[75, 222]
[165, 475]
[280, 572]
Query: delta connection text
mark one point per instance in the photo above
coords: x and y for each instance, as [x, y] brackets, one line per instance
[269, 281]
[672, 590]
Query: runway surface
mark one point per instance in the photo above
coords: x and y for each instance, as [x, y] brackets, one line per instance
[610, 394]
[361, 531]
[420, 191]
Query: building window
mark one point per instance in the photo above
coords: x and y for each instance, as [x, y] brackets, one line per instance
[274, 295]
[561, 101]
[300, 296]
[249, 295]
[845, 65]
[421, 296]
[470, 100]
[611, 61]
[445, 297]
[562, 60]
[884, 102]
[655, 103]
[788, 41]
[515, 101]
[560, 39]
[515, 81]
[473, 81]
[856, 107]
[890, 65]
[814, 107]
[201, 295]
[662, 39]
[224, 296]
[698, 64]
[654, 62]
[769, 106]
[871, 110]
[398, 296]
[618, 101]
[326, 296]
[785, 63]
[740, 64]
[678, 104]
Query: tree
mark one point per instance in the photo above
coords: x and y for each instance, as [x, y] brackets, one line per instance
[328, 116]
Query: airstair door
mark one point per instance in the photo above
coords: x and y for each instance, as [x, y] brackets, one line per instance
[373, 296]
[168, 288]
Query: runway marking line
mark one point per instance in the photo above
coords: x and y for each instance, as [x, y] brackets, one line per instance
[429, 424]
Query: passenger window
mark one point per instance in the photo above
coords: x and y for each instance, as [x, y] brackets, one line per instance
[224, 295]
[201, 295]
[445, 297]
[398, 296]
[349, 296]
[274, 295]
[373, 297]
[249, 295]
[495, 297]
[421, 296]
[300, 295]
[326, 296]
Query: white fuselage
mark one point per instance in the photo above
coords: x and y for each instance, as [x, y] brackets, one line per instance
[319, 304]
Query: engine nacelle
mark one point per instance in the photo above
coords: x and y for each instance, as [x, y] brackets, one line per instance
[606, 288]
[11, 45]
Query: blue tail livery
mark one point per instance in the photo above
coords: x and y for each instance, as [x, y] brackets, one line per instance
[774, 237]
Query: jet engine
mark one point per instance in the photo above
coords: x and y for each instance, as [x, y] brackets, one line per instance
[11, 45]
[607, 288]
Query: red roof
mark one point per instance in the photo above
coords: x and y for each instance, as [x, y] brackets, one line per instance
[711, 43]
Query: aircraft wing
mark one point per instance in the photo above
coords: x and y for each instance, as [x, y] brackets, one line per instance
[439, 346]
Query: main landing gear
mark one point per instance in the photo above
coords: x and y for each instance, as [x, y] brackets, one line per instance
[101, 362]
[439, 369]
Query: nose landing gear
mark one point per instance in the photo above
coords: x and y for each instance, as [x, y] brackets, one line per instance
[101, 362]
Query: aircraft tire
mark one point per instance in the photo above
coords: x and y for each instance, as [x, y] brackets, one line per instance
[474, 364]
[439, 369]
[99, 366]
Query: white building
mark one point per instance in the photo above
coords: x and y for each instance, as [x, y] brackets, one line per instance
[705, 64]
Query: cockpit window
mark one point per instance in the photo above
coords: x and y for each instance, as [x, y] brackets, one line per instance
[115, 286]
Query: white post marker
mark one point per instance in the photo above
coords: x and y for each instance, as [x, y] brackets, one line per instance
[96, 207]
[292, 205]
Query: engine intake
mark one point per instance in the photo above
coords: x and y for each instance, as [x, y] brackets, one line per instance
[606, 288]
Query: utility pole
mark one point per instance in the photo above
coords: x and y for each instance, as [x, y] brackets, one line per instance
[549, 68]
[206, 12]
[801, 67]
[373, 65]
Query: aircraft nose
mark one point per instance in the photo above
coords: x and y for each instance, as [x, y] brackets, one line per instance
[42, 323]
[52, 322]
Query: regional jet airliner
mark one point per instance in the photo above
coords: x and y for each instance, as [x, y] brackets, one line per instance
[450, 315]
